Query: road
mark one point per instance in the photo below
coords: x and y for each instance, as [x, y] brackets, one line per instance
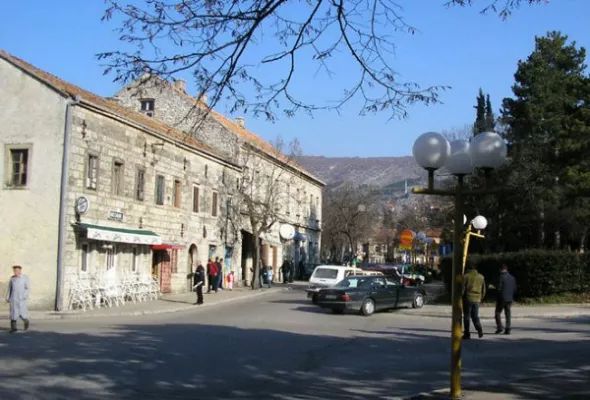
[275, 347]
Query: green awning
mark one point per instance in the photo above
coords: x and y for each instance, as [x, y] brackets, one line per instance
[120, 235]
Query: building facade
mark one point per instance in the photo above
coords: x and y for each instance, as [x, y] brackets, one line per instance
[296, 195]
[139, 199]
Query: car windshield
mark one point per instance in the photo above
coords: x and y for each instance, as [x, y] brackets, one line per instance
[325, 273]
[353, 283]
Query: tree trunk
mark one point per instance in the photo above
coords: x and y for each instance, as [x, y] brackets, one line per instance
[256, 262]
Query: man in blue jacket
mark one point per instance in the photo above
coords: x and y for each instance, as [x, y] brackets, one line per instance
[506, 290]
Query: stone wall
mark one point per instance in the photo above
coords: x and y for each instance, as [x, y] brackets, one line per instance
[31, 115]
[112, 140]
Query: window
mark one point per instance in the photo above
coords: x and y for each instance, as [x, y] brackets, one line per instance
[92, 172]
[160, 182]
[177, 193]
[214, 205]
[140, 185]
[237, 183]
[111, 257]
[223, 177]
[148, 106]
[310, 203]
[135, 261]
[85, 253]
[195, 199]
[118, 177]
[19, 167]
[326, 273]
[206, 170]
[174, 261]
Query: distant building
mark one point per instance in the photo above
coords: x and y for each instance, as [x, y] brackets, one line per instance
[301, 191]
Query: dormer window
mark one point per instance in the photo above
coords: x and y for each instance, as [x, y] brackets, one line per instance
[147, 107]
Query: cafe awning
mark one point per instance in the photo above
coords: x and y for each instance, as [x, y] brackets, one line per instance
[120, 235]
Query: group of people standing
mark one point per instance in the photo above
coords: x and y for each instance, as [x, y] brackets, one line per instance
[474, 291]
[214, 276]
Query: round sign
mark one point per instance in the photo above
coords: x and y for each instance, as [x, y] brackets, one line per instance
[406, 237]
[82, 205]
[287, 231]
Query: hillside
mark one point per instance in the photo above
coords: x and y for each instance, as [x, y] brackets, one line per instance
[388, 173]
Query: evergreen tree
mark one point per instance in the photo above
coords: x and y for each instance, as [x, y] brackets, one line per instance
[548, 130]
[490, 119]
[480, 114]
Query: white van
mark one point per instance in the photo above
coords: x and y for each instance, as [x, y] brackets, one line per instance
[326, 276]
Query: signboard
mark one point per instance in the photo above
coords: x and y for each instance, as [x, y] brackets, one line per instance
[406, 246]
[406, 237]
[116, 215]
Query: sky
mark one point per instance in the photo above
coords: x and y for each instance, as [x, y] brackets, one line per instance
[455, 47]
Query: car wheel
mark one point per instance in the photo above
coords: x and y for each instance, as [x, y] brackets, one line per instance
[368, 307]
[418, 301]
[314, 299]
[337, 311]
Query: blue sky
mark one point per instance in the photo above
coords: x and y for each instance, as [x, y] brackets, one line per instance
[456, 47]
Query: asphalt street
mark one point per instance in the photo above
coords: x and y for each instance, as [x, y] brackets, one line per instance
[279, 347]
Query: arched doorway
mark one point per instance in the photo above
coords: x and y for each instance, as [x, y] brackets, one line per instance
[192, 266]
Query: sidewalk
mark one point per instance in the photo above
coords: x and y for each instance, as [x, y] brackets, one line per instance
[573, 385]
[518, 312]
[166, 304]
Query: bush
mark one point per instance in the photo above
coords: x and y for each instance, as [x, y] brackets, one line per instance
[538, 272]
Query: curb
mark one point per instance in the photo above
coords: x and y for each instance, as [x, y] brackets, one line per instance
[573, 314]
[58, 316]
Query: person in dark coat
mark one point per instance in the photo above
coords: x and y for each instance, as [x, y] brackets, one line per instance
[198, 282]
[286, 268]
[219, 264]
[506, 291]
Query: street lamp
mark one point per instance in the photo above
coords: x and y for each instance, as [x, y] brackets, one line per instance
[479, 223]
[486, 151]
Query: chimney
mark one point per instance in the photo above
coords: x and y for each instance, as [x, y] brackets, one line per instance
[180, 84]
[203, 98]
[240, 121]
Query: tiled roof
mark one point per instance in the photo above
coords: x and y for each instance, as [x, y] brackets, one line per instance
[245, 134]
[111, 106]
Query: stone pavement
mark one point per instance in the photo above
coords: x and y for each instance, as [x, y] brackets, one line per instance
[518, 312]
[166, 304]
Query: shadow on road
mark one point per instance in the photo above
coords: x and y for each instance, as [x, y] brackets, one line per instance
[195, 361]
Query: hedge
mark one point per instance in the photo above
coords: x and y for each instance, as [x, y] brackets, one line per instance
[538, 272]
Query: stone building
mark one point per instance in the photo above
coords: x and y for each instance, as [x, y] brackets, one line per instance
[93, 188]
[296, 197]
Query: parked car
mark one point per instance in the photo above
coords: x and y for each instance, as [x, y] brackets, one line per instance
[326, 276]
[410, 275]
[368, 294]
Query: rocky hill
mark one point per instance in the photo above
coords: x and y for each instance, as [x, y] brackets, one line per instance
[388, 173]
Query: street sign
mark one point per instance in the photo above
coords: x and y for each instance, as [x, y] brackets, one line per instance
[406, 237]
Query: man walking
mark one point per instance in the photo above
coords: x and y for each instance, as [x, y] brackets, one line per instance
[506, 290]
[286, 270]
[474, 291]
[18, 297]
[198, 282]
[212, 275]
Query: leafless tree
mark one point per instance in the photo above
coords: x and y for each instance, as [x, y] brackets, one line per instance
[350, 215]
[262, 197]
[229, 46]
[464, 132]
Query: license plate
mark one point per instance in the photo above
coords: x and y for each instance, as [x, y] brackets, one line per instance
[330, 297]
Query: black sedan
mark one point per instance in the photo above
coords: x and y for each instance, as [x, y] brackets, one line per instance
[368, 294]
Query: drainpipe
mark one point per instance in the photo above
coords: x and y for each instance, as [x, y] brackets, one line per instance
[63, 202]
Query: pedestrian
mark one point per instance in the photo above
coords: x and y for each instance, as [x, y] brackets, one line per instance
[212, 275]
[230, 280]
[269, 273]
[474, 291]
[18, 297]
[286, 268]
[219, 264]
[198, 282]
[291, 271]
[506, 291]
